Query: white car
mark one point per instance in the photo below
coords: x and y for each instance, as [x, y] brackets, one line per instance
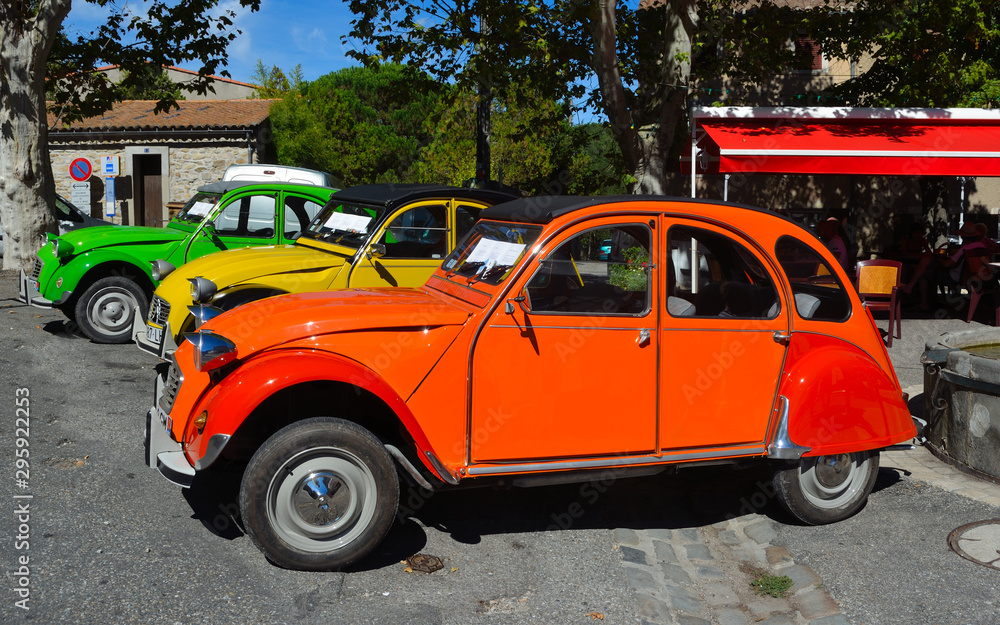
[70, 218]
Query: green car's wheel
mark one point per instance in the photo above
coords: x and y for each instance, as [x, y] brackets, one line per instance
[104, 312]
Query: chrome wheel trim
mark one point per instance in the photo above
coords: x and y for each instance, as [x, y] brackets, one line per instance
[832, 481]
[111, 309]
[321, 499]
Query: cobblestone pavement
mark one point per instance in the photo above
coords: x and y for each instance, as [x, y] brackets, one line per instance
[700, 575]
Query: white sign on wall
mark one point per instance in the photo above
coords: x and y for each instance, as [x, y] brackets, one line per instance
[109, 166]
[79, 194]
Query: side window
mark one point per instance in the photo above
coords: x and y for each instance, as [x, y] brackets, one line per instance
[465, 218]
[228, 221]
[580, 276]
[299, 211]
[817, 290]
[712, 275]
[420, 232]
[248, 216]
[261, 210]
[66, 213]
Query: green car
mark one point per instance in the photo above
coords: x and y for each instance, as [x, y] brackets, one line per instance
[98, 277]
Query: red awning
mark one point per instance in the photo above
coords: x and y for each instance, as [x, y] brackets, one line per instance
[893, 147]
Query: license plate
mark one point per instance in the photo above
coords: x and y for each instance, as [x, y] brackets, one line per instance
[165, 420]
[154, 335]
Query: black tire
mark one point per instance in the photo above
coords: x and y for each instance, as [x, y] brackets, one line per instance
[105, 310]
[282, 498]
[827, 489]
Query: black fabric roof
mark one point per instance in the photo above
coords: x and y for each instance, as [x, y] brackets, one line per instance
[392, 195]
[543, 209]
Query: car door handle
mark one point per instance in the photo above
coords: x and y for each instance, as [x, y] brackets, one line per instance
[643, 339]
[782, 337]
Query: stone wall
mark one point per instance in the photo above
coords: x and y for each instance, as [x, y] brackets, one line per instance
[191, 167]
[187, 167]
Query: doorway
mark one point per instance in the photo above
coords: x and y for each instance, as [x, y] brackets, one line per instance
[148, 190]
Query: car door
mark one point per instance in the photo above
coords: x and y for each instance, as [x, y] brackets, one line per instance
[298, 211]
[570, 370]
[722, 340]
[407, 249]
[246, 220]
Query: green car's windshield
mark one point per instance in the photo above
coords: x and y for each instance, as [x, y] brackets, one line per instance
[490, 251]
[198, 208]
[345, 223]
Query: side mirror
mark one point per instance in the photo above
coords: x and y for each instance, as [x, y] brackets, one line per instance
[509, 306]
[375, 250]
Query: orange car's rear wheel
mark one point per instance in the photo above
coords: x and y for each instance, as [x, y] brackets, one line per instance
[827, 489]
[319, 495]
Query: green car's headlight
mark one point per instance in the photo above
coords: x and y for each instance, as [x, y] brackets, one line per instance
[161, 269]
[62, 248]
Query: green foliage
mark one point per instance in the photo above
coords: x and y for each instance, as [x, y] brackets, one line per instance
[273, 83]
[363, 125]
[772, 585]
[164, 33]
[390, 124]
[632, 275]
[925, 53]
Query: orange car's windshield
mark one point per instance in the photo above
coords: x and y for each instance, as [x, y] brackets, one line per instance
[489, 252]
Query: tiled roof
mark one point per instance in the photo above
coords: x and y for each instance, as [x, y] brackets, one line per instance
[200, 114]
[181, 70]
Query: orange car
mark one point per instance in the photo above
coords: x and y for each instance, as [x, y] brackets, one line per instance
[709, 332]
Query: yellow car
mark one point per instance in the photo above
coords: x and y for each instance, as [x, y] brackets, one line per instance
[365, 236]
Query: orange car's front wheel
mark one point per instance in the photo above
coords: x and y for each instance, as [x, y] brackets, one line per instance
[320, 494]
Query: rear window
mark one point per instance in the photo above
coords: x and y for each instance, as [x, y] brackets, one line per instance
[818, 291]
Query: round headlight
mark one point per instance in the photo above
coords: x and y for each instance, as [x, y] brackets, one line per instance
[203, 313]
[161, 269]
[211, 351]
[202, 290]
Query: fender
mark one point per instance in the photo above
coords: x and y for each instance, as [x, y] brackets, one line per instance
[73, 272]
[229, 403]
[840, 399]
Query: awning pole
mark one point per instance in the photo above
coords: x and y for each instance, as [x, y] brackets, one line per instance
[694, 154]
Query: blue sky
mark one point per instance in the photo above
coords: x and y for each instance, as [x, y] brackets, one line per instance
[285, 33]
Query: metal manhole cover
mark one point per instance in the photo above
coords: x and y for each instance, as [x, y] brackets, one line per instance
[424, 563]
[978, 542]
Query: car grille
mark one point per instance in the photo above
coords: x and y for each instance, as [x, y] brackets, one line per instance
[159, 311]
[171, 387]
[36, 271]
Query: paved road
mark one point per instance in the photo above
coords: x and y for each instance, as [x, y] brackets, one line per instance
[112, 542]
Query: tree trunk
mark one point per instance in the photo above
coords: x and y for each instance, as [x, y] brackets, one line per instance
[663, 99]
[27, 189]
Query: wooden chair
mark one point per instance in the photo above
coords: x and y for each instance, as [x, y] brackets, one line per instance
[878, 282]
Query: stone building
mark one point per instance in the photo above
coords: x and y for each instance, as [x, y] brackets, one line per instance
[163, 158]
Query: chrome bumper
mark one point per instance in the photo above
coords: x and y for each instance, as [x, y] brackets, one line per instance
[144, 336]
[163, 453]
[27, 292]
